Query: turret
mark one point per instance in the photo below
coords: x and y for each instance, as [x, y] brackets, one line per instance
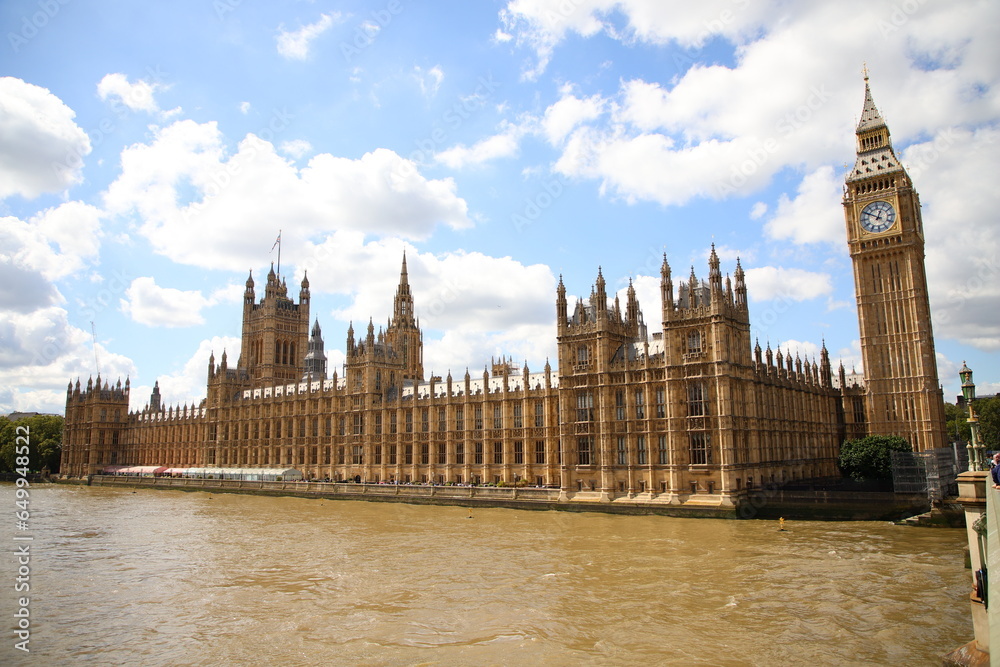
[632, 306]
[304, 291]
[824, 368]
[600, 297]
[561, 309]
[315, 361]
[741, 287]
[154, 398]
[666, 286]
[714, 275]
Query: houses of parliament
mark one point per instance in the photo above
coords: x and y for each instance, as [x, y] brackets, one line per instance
[694, 414]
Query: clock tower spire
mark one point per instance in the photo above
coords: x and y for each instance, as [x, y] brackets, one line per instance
[886, 240]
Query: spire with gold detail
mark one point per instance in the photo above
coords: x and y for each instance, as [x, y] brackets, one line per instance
[870, 117]
[874, 144]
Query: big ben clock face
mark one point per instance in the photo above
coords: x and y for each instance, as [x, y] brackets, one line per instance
[878, 216]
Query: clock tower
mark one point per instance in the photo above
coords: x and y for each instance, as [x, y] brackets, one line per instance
[886, 239]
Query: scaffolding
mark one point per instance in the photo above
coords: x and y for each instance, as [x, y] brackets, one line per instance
[933, 472]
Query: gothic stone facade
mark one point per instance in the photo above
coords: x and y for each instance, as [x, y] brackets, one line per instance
[694, 414]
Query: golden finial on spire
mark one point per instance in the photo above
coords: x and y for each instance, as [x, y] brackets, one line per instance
[864, 70]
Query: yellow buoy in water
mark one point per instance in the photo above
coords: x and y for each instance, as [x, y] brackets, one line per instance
[781, 523]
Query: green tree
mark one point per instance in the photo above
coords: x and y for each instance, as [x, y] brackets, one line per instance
[44, 439]
[957, 426]
[870, 457]
[988, 411]
[6, 445]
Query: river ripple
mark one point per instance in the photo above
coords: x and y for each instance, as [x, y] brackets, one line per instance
[190, 578]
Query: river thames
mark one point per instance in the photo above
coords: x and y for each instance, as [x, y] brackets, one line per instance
[182, 578]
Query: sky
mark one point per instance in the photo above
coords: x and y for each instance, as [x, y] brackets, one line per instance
[150, 153]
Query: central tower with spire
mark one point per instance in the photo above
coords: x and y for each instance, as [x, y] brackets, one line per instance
[885, 236]
[403, 332]
[275, 332]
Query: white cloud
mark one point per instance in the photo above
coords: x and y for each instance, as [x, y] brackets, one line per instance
[711, 132]
[953, 171]
[562, 117]
[815, 215]
[453, 289]
[136, 96]
[500, 145]
[542, 24]
[41, 147]
[187, 385]
[42, 350]
[805, 350]
[148, 303]
[470, 305]
[295, 45]
[55, 243]
[769, 283]
[244, 108]
[228, 220]
[758, 211]
[430, 80]
[647, 293]
[296, 147]
[462, 348]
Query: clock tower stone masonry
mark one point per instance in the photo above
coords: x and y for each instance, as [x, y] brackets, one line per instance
[886, 240]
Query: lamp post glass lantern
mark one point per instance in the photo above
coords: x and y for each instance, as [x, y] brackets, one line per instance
[976, 448]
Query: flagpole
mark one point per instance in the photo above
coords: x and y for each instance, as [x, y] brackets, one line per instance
[279, 252]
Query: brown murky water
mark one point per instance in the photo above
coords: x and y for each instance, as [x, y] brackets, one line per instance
[175, 578]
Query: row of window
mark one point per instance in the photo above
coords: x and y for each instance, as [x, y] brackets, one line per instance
[700, 450]
[358, 419]
[697, 403]
[408, 454]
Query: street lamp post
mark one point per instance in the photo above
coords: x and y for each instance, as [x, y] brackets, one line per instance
[976, 448]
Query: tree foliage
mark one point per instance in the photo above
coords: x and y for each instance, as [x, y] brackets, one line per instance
[957, 426]
[44, 440]
[871, 457]
[988, 411]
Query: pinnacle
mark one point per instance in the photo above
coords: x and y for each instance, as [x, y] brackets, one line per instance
[870, 117]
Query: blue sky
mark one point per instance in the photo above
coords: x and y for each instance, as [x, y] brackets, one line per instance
[150, 153]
